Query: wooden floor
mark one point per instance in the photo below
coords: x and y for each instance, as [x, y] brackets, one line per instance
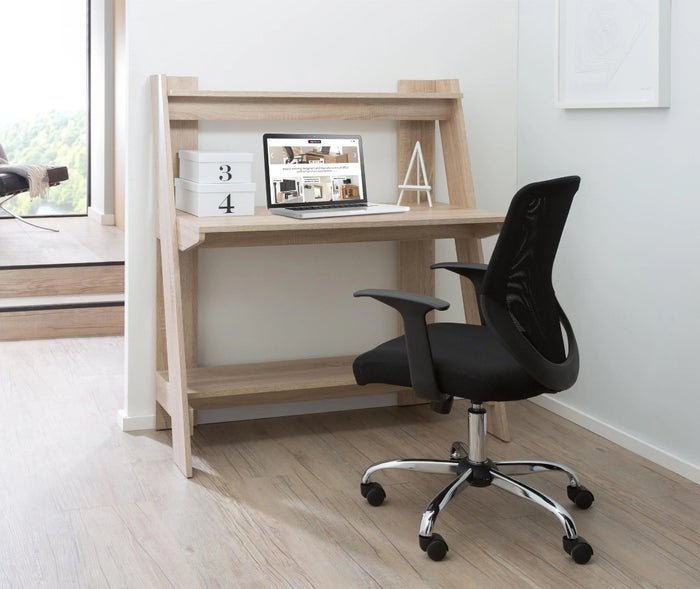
[78, 240]
[276, 502]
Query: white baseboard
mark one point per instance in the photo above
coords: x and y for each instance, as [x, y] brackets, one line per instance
[627, 441]
[100, 217]
[135, 423]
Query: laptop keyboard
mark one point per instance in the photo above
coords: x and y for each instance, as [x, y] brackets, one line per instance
[335, 205]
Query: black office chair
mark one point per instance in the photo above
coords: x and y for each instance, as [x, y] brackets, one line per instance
[518, 353]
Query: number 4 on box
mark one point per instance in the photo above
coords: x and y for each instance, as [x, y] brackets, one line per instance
[225, 205]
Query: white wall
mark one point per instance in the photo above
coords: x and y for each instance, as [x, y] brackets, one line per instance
[627, 271]
[348, 45]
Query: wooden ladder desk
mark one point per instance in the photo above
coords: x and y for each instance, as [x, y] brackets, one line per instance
[182, 386]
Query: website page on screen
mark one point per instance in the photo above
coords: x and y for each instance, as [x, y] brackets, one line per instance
[314, 170]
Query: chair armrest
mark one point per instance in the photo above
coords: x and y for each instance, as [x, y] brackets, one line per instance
[413, 309]
[474, 272]
[405, 302]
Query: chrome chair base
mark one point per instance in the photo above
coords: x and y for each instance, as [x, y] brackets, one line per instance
[22, 219]
[483, 473]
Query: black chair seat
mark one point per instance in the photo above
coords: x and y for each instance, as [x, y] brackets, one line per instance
[469, 361]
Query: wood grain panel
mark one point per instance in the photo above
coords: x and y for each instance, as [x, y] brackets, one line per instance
[308, 107]
[57, 323]
[170, 268]
[62, 280]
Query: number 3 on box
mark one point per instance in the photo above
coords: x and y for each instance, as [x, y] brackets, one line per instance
[226, 175]
[225, 205]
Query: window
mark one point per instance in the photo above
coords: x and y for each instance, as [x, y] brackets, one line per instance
[44, 101]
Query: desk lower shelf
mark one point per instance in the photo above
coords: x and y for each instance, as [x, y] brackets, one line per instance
[269, 382]
[218, 387]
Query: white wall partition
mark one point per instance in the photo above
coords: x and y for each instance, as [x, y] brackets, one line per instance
[627, 269]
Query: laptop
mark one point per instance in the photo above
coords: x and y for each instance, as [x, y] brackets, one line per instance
[310, 176]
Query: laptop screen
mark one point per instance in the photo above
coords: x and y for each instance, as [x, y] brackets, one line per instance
[306, 170]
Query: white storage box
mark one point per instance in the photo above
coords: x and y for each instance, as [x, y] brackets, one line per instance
[215, 200]
[214, 167]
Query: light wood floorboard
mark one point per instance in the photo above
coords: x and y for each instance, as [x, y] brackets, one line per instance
[79, 239]
[276, 502]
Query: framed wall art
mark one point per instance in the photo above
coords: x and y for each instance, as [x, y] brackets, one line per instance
[613, 53]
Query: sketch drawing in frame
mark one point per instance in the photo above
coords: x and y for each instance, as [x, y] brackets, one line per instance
[613, 53]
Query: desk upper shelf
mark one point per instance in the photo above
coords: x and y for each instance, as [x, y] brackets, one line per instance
[199, 105]
[263, 228]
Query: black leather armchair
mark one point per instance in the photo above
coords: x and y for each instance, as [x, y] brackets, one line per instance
[14, 179]
[518, 352]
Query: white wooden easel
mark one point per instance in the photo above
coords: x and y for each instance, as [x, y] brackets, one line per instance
[418, 187]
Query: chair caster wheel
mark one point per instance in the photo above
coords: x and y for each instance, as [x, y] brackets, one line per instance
[581, 496]
[458, 451]
[434, 545]
[373, 492]
[579, 549]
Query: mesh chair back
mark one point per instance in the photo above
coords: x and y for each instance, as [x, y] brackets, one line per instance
[518, 283]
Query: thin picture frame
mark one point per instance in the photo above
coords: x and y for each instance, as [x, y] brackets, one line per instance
[613, 53]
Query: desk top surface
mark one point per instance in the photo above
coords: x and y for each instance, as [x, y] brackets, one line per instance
[421, 222]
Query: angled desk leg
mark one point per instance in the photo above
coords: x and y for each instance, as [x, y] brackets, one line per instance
[171, 395]
[415, 275]
[415, 257]
[469, 250]
[162, 416]
[188, 274]
[461, 189]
